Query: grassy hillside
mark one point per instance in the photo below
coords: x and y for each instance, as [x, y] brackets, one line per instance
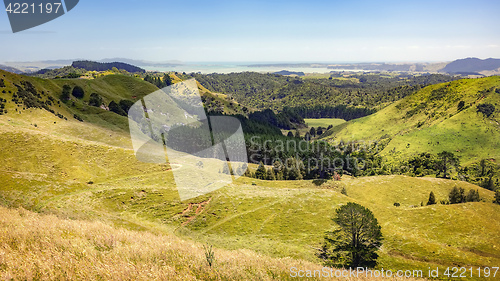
[88, 171]
[430, 121]
[263, 91]
[48, 169]
[49, 248]
[110, 88]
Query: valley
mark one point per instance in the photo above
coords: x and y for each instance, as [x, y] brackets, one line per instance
[78, 173]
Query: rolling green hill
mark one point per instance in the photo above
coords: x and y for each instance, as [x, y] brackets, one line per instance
[47, 93]
[431, 121]
[88, 171]
[263, 91]
[52, 169]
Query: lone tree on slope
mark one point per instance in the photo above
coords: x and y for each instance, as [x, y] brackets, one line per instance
[355, 240]
[445, 161]
[432, 199]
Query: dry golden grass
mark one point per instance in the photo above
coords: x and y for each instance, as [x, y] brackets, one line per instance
[45, 247]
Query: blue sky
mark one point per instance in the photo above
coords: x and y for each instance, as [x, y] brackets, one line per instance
[309, 31]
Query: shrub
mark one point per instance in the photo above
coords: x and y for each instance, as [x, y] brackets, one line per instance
[65, 93]
[486, 109]
[344, 191]
[95, 100]
[78, 118]
[445, 161]
[461, 105]
[71, 75]
[126, 105]
[497, 197]
[78, 92]
[457, 195]
[261, 172]
[432, 199]
[114, 107]
[473, 196]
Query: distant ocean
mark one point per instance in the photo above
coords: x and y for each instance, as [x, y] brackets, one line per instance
[207, 68]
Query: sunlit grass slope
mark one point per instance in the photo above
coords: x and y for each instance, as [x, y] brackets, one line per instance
[42, 247]
[88, 171]
[110, 88]
[50, 171]
[430, 121]
[324, 122]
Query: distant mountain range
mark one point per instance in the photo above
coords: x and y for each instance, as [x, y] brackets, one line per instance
[405, 67]
[10, 69]
[34, 66]
[472, 65]
[467, 66]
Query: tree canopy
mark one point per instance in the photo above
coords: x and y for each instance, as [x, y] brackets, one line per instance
[445, 161]
[355, 240]
[486, 109]
[78, 92]
[432, 199]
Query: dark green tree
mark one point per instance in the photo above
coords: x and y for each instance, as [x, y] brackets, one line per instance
[307, 137]
[355, 240]
[312, 132]
[457, 195]
[278, 170]
[483, 165]
[270, 174]
[319, 131]
[460, 105]
[95, 100]
[167, 80]
[486, 109]
[497, 197]
[422, 164]
[294, 173]
[114, 107]
[66, 91]
[261, 172]
[126, 105]
[446, 160]
[473, 196]
[290, 134]
[78, 92]
[432, 199]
